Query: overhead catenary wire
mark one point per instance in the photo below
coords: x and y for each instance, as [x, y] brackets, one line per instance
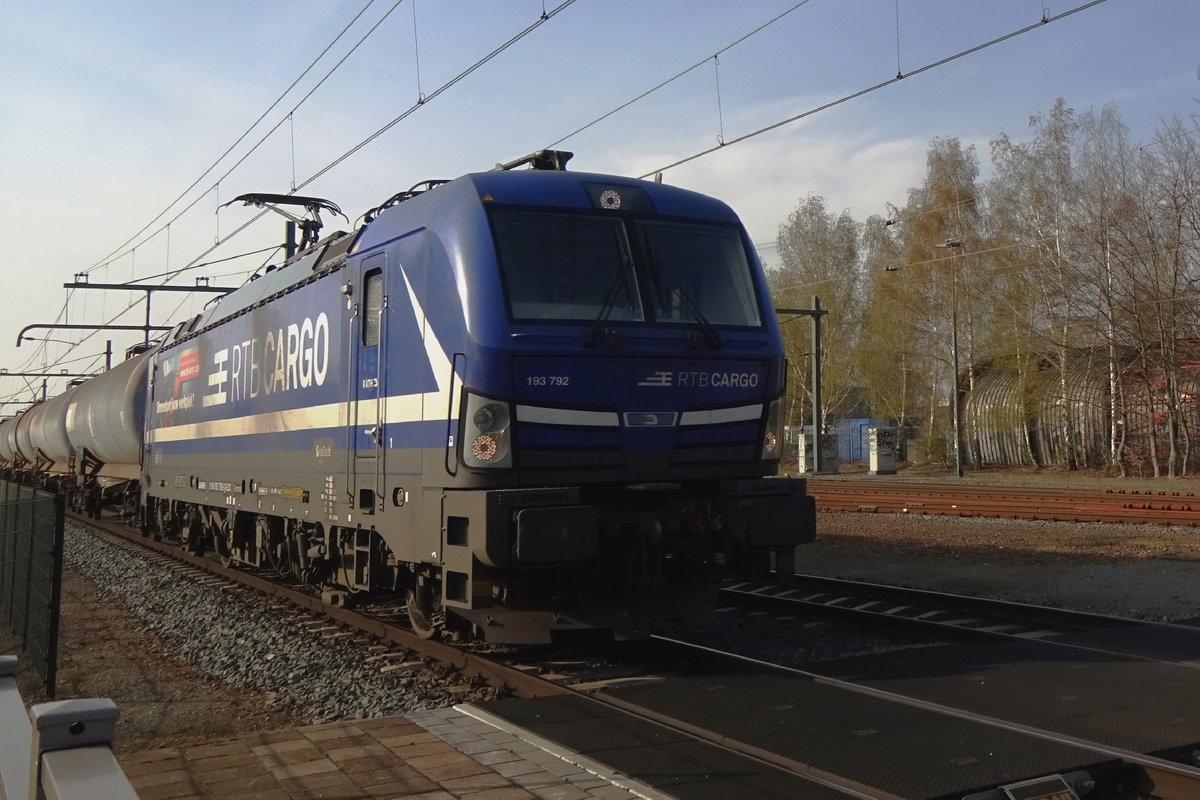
[239, 140]
[112, 255]
[88, 336]
[899, 71]
[417, 51]
[679, 74]
[178, 271]
[421, 101]
[253, 149]
[41, 348]
[545, 17]
[1164, 139]
[1045, 20]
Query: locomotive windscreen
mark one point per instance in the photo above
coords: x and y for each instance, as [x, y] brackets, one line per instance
[581, 266]
[699, 271]
[566, 266]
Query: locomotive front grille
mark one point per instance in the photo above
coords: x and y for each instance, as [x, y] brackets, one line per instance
[570, 458]
[556, 452]
[716, 445]
[711, 455]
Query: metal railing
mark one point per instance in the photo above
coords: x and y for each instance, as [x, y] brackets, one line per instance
[57, 751]
[31, 546]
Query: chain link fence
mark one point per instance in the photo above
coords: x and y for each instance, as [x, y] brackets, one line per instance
[31, 546]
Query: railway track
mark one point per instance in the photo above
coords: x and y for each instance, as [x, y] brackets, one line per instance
[1113, 774]
[637, 695]
[962, 615]
[385, 627]
[1134, 506]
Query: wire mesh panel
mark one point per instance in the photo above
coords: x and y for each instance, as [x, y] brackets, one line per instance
[31, 544]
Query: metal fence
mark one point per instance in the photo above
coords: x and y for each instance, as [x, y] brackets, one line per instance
[31, 545]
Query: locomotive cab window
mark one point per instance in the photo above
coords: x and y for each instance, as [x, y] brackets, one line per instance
[558, 266]
[566, 266]
[699, 273]
[372, 307]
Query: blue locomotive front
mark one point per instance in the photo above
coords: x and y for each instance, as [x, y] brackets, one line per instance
[535, 401]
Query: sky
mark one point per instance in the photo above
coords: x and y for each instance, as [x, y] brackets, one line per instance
[125, 125]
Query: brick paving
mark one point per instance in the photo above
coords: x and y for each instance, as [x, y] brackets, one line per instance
[448, 754]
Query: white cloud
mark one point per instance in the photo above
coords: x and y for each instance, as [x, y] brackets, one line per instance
[764, 180]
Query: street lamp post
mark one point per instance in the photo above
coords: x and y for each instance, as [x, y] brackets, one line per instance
[954, 244]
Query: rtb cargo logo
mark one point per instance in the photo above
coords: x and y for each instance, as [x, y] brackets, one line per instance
[701, 380]
[294, 357]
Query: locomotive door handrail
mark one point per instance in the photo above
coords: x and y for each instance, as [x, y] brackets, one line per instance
[351, 426]
[369, 378]
[457, 363]
[381, 395]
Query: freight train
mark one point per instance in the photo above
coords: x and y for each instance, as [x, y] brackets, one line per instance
[532, 401]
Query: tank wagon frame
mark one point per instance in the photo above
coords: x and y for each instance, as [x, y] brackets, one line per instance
[535, 402]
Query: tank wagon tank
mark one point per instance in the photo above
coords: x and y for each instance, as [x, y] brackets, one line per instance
[535, 402]
[48, 431]
[24, 460]
[23, 434]
[89, 436]
[106, 417]
[8, 441]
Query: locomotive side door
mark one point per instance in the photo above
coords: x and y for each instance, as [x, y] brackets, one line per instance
[368, 392]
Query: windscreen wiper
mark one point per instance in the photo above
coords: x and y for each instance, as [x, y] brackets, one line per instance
[656, 273]
[620, 281]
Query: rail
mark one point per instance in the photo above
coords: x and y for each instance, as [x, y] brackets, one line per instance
[60, 750]
[1124, 506]
[463, 661]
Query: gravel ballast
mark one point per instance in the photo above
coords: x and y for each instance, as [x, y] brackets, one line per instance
[317, 671]
[189, 658]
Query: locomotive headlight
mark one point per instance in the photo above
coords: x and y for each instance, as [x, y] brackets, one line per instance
[486, 417]
[486, 439]
[773, 434]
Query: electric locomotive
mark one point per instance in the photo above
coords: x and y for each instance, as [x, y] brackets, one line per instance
[534, 401]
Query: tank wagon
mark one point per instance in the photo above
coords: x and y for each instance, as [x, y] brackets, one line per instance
[533, 401]
[8, 441]
[47, 427]
[86, 441]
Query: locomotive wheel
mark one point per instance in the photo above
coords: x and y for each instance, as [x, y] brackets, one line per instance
[163, 522]
[271, 552]
[223, 540]
[194, 534]
[423, 612]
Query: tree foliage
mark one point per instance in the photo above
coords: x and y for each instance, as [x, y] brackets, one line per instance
[1080, 254]
[819, 258]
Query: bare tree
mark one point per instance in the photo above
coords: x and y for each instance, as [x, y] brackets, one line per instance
[1075, 269]
[938, 232]
[1106, 207]
[887, 351]
[819, 257]
[1033, 190]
